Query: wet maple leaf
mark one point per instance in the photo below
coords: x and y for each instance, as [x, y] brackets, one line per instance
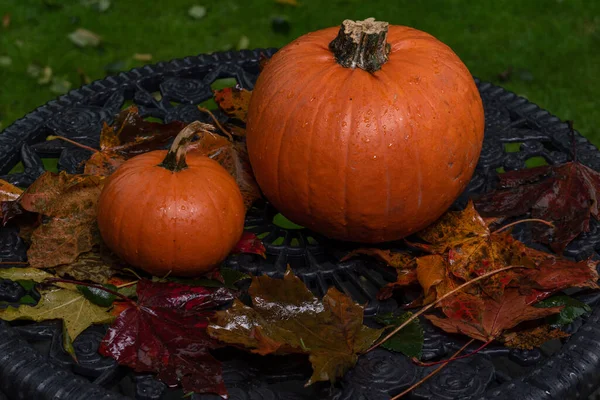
[286, 317]
[472, 250]
[233, 156]
[233, 101]
[166, 334]
[484, 318]
[565, 195]
[128, 136]
[531, 338]
[250, 243]
[68, 204]
[403, 262]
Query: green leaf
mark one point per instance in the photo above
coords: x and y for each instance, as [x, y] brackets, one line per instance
[72, 307]
[197, 12]
[232, 276]
[99, 296]
[409, 341]
[128, 291]
[24, 274]
[68, 342]
[572, 310]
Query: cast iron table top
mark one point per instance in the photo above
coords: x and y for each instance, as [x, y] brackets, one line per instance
[33, 364]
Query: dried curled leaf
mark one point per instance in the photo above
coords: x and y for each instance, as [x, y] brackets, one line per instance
[286, 317]
[565, 195]
[233, 156]
[128, 136]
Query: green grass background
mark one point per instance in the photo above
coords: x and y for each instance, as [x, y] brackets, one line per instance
[552, 46]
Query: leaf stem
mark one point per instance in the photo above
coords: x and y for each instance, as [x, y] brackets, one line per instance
[114, 293]
[438, 369]
[83, 146]
[454, 358]
[429, 306]
[541, 221]
[225, 131]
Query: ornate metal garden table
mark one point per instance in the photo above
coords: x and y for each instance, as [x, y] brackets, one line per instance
[33, 364]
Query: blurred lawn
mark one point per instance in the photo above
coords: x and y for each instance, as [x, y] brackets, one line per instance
[552, 47]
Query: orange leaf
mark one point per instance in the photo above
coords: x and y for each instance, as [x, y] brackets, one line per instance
[234, 102]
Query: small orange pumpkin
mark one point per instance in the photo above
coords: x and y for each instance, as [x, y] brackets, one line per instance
[366, 132]
[167, 213]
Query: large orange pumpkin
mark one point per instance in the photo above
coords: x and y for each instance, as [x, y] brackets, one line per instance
[364, 134]
[167, 213]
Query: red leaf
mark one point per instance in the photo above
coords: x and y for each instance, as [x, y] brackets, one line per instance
[484, 318]
[565, 195]
[166, 334]
[250, 243]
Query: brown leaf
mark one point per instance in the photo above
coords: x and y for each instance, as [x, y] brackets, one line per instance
[69, 202]
[484, 318]
[6, 20]
[234, 102]
[233, 156]
[285, 317]
[565, 195]
[531, 338]
[128, 136]
[94, 266]
[142, 57]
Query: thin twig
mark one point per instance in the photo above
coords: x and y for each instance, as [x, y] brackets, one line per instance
[453, 358]
[225, 131]
[450, 293]
[133, 273]
[541, 221]
[438, 369]
[14, 263]
[100, 287]
[127, 284]
[83, 146]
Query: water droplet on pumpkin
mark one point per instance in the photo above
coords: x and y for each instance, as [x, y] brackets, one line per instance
[374, 157]
[344, 123]
[390, 145]
[312, 99]
[368, 125]
[290, 94]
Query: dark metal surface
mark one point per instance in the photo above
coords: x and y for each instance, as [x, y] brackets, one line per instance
[33, 364]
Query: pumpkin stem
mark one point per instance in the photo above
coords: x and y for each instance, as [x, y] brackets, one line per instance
[175, 159]
[361, 44]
